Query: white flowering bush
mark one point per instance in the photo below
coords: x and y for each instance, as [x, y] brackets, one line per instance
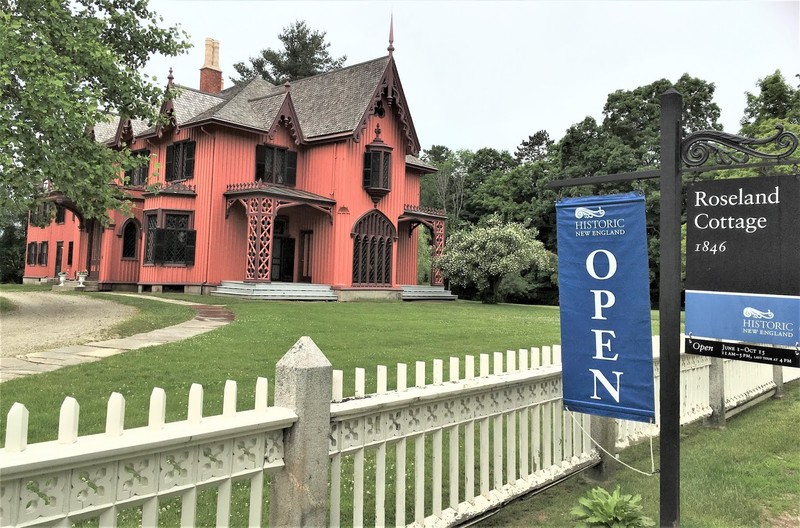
[482, 255]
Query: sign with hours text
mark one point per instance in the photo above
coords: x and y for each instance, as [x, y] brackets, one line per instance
[604, 291]
[743, 269]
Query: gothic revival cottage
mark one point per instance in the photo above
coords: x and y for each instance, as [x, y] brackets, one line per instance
[315, 181]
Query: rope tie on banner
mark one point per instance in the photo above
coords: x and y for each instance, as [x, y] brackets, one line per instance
[653, 470]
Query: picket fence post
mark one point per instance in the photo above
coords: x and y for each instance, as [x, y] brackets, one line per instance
[604, 432]
[777, 378]
[303, 383]
[716, 392]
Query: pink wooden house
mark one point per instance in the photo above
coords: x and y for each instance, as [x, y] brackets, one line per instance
[260, 188]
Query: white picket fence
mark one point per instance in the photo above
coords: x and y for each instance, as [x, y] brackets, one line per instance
[452, 446]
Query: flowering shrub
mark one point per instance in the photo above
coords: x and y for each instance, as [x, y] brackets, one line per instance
[482, 255]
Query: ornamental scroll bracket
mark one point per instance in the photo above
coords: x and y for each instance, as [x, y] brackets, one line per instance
[729, 149]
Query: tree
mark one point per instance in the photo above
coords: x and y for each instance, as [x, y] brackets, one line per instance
[446, 187]
[776, 100]
[483, 255]
[535, 148]
[66, 65]
[12, 249]
[305, 54]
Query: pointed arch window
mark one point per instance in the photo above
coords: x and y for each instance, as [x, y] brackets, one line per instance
[130, 238]
[373, 242]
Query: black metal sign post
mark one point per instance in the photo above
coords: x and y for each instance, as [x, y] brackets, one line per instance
[669, 307]
[693, 151]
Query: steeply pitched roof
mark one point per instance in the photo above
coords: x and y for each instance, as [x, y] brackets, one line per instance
[335, 102]
[325, 105]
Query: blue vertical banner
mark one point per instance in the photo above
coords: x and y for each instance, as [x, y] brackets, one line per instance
[604, 290]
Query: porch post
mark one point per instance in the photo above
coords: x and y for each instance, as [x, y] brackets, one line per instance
[260, 219]
[438, 249]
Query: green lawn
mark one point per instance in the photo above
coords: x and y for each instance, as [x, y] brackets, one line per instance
[363, 334]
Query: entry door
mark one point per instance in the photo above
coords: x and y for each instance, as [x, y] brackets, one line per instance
[304, 266]
[283, 260]
[59, 256]
[93, 257]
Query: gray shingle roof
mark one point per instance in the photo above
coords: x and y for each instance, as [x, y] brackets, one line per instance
[336, 101]
[104, 131]
[414, 161]
[325, 104]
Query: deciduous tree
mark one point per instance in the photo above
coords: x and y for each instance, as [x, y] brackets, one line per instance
[304, 54]
[66, 65]
[776, 99]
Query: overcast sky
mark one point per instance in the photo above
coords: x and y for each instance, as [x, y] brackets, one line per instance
[488, 74]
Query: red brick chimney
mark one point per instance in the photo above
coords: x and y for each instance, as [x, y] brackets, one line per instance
[210, 73]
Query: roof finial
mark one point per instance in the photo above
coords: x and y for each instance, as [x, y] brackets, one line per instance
[170, 78]
[287, 86]
[391, 35]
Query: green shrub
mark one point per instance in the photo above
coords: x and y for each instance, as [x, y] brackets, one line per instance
[599, 508]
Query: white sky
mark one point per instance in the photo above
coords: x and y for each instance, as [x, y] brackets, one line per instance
[488, 74]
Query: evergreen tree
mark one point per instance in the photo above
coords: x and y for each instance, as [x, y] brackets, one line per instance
[305, 54]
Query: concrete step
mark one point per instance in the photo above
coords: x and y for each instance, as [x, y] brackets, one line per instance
[423, 292]
[277, 291]
[88, 286]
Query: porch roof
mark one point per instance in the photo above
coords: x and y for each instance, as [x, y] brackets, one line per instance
[422, 214]
[240, 190]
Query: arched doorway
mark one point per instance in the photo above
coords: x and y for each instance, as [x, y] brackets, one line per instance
[373, 241]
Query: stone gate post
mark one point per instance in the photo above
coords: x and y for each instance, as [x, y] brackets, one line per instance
[299, 495]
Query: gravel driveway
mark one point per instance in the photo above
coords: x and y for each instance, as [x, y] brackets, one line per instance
[46, 320]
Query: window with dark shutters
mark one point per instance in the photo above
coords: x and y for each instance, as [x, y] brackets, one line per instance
[276, 165]
[170, 239]
[138, 177]
[377, 175]
[43, 254]
[32, 253]
[180, 161]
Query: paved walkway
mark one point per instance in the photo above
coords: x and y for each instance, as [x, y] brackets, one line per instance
[209, 317]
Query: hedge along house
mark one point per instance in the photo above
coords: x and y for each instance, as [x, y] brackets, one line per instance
[315, 181]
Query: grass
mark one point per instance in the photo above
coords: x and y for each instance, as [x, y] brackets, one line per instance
[745, 475]
[350, 334]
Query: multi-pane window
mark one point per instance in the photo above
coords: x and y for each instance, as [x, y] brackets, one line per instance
[169, 239]
[42, 259]
[180, 161]
[61, 213]
[377, 168]
[138, 177]
[70, 248]
[276, 165]
[129, 236]
[151, 224]
[32, 247]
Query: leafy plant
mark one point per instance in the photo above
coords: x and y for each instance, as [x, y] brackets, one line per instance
[599, 508]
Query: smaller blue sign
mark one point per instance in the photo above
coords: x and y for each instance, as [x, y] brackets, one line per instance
[751, 318]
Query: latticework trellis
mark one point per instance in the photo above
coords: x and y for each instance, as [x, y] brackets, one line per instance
[260, 216]
[438, 249]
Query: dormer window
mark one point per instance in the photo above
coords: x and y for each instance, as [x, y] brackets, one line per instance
[276, 165]
[377, 180]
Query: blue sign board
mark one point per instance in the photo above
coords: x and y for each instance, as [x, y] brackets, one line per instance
[604, 292]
